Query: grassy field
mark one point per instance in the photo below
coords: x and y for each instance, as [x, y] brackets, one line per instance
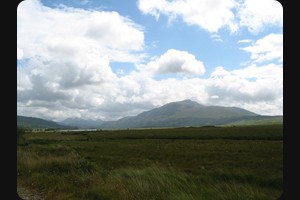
[209, 163]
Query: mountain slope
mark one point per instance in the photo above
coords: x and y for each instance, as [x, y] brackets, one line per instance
[82, 123]
[259, 120]
[175, 114]
[183, 113]
[33, 122]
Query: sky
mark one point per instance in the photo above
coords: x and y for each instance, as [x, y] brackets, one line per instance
[100, 59]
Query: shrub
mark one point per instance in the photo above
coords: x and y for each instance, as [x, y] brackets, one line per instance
[20, 136]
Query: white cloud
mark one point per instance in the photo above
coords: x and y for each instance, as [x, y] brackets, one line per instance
[268, 48]
[40, 28]
[256, 88]
[68, 52]
[207, 14]
[258, 14]
[246, 88]
[245, 41]
[19, 53]
[113, 31]
[153, 7]
[67, 71]
[216, 38]
[174, 62]
[269, 71]
[214, 97]
[213, 15]
[23, 81]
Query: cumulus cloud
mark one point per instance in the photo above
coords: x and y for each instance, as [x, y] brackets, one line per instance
[244, 41]
[69, 51]
[40, 30]
[269, 71]
[258, 14]
[268, 48]
[175, 62]
[257, 88]
[207, 14]
[19, 53]
[212, 16]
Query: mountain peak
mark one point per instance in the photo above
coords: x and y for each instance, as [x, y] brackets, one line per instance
[183, 113]
[82, 123]
[186, 102]
[183, 101]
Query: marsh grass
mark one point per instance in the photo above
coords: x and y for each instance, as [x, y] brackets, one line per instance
[161, 164]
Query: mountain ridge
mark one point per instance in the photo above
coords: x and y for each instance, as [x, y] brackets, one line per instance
[182, 113]
[174, 114]
[35, 122]
[82, 123]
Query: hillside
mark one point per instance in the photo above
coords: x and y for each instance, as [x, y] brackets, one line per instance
[175, 114]
[183, 113]
[33, 122]
[82, 123]
[259, 120]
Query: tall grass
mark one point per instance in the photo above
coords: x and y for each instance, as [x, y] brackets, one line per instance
[66, 167]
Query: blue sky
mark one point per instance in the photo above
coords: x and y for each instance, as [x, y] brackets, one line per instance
[109, 59]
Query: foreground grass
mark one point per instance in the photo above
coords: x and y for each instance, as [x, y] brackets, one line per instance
[185, 163]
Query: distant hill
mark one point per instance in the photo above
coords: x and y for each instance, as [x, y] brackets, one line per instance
[259, 120]
[175, 114]
[82, 123]
[33, 122]
[184, 113]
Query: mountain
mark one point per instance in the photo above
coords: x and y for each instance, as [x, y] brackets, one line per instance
[183, 113]
[82, 123]
[175, 114]
[33, 122]
[259, 120]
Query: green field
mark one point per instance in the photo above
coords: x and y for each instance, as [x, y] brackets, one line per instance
[209, 163]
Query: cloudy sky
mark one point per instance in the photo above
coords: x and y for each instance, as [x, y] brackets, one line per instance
[100, 59]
